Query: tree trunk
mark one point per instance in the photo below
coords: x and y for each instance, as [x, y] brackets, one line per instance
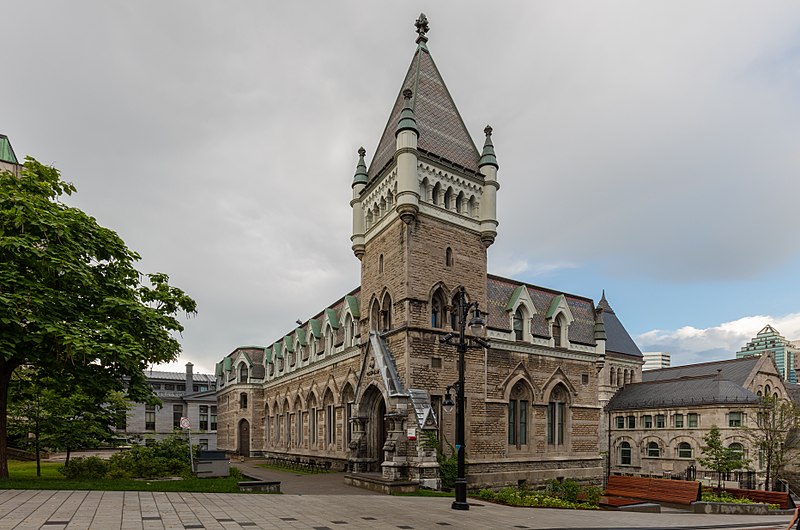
[5, 378]
[66, 462]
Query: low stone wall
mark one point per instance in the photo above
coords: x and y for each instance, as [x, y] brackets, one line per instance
[731, 508]
[264, 486]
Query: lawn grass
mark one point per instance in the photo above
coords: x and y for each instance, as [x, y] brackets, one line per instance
[22, 476]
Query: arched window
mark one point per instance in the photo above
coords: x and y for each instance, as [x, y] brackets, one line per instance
[653, 450]
[625, 454]
[369, 218]
[767, 390]
[328, 340]
[243, 373]
[243, 400]
[448, 257]
[518, 405]
[349, 329]
[448, 198]
[313, 422]
[519, 324]
[382, 206]
[389, 200]
[556, 415]
[386, 313]
[436, 196]
[684, 450]
[375, 316]
[473, 210]
[613, 374]
[737, 448]
[423, 189]
[437, 309]
[557, 331]
[348, 396]
[330, 418]
[380, 264]
[460, 202]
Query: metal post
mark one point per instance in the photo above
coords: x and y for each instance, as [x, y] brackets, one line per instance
[461, 481]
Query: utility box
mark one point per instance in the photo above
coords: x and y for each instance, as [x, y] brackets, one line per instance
[212, 464]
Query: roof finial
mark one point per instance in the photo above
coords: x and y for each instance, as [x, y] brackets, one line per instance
[422, 28]
[361, 169]
[488, 157]
[407, 120]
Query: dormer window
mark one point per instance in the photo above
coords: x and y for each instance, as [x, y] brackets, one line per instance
[518, 324]
[557, 333]
[243, 373]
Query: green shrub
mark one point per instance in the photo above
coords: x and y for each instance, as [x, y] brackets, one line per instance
[165, 458]
[90, 467]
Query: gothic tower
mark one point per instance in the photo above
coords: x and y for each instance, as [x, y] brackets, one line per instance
[425, 210]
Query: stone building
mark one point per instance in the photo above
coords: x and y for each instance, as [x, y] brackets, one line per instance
[183, 395]
[361, 384]
[657, 426]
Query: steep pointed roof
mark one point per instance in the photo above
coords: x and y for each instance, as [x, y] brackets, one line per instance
[442, 133]
[6, 151]
[618, 339]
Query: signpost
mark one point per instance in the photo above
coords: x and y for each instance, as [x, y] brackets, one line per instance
[185, 425]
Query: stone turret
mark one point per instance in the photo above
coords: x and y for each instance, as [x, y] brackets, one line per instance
[488, 166]
[407, 135]
[359, 182]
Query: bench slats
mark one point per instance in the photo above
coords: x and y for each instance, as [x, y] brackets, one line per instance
[654, 489]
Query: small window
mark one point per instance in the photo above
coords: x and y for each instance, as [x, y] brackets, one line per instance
[203, 417]
[620, 422]
[677, 421]
[150, 417]
[684, 450]
[380, 264]
[243, 373]
[243, 400]
[737, 448]
[661, 421]
[734, 419]
[631, 422]
[203, 444]
[585, 379]
[213, 417]
[518, 324]
[647, 421]
[693, 420]
[177, 414]
[653, 450]
[436, 362]
[625, 454]
[448, 257]
[557, 333]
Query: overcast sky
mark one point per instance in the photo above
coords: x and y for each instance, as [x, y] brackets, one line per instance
[651, 149]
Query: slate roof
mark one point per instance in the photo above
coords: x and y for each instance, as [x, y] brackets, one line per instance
[680, 392]
[794, 391]
[735, 370]
[442, 133]
[618, 340]
[499, 290]
[179, 377]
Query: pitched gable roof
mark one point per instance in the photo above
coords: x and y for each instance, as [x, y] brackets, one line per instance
[442, 132]
[618, 340]
[706, 390]
[735, 370]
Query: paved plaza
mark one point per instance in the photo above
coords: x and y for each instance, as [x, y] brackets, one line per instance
[319, 502]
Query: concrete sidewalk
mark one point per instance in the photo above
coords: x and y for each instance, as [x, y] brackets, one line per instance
[301, 484]
[56, 510]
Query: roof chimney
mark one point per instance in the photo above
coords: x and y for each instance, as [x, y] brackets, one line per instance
[189, 378]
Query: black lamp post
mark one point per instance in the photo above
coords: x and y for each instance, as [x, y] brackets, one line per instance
[476, 323]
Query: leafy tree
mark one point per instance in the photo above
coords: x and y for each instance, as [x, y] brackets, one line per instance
[71, 300]
[718, 457]
[775, 436]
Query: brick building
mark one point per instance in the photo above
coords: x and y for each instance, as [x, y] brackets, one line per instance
[361, 384]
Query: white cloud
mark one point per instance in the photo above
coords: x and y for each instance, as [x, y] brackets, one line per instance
[689, 344]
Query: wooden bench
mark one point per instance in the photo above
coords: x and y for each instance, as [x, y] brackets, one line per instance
[620, 490]
[781, 498]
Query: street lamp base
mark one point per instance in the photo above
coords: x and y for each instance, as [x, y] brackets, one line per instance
[458, 505]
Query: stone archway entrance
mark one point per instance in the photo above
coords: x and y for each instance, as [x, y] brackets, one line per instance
[244, 438]
[373, 408]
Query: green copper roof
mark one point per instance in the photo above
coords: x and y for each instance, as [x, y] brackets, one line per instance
[554, 305]
[267, 355]
[361, 169]
[514, 297]
[6, 151]
[332, 318]
[301, 336]
[218, 369]
[247, 358]
[287, 343]
[352, 303]
[408, 122]
[227, 364]
[488, 157]
[316, 327]
[278, 349]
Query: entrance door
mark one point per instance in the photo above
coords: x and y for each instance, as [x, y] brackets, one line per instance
[374, 408]
[244, 438]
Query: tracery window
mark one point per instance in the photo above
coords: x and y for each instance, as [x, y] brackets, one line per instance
[519, 324]
[625, 454]
[556, 415]
[518, 415]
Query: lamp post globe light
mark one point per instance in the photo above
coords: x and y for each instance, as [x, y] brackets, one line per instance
[476, 324]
